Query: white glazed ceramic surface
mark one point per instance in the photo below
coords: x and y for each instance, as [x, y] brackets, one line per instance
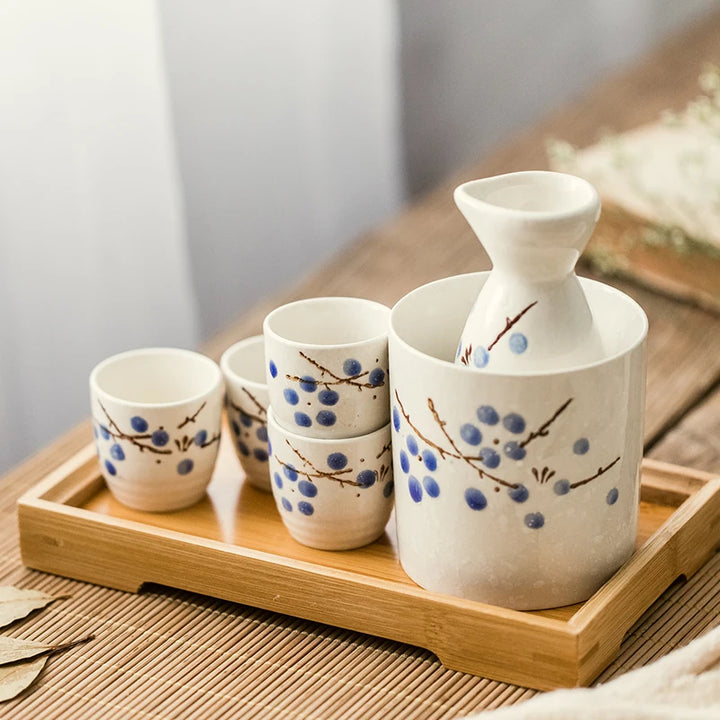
[327, 366]
[531, 314]
[332, 494]
[243, 366]
[156, 418]
[515, 490]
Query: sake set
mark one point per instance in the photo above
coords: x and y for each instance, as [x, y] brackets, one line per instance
[499, 413]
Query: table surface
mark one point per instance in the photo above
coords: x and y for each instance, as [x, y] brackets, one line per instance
[166, 653]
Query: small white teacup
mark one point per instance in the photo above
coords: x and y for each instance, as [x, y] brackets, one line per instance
[332, 494]
[156, 418]
[243, 366]
[327, 366]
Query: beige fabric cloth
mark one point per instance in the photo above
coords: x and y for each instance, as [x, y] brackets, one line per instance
[684, 685]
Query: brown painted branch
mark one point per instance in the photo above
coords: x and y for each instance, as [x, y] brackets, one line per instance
[455, 453]
[509, 323]
[237, 408]
[134, 439]
[385, 449]
[337, 380]
[601, 471]
[191, 418]
[542, 431]
[254, 401]
[316, 474]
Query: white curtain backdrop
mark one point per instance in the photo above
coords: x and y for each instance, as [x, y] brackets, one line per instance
[93, 258]
[164, 165]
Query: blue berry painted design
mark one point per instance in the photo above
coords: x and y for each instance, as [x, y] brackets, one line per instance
[504, 457]
[302, 419]
[519, 494]
[489, 458]
[431, 487]
[488, 415]
[470, 434]
[319, 390]
[475, 499]
[561, 487]
[352, 367]
[396, 419]
[581, 446]
[185, 466]
[534, 520]
[480, 356]
[326, 418]
[287, 505]
[309, 477]
[328, 397]
[514, 423]
[518, 343]
[160, 438]
[429, 459]
[249, 423]
[308, 383]
[337, 461]
[307, 488]
[117, 453]
[260, 454]
[514, 450]
[366, 478]
[415, 489]
[136, 435]
[273, 369]
[412, 445]
[376, 377]
[139, 424]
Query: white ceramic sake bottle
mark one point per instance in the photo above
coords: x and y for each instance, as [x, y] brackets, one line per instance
[531, 314]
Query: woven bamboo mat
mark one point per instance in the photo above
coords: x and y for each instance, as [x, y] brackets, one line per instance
[171, 654]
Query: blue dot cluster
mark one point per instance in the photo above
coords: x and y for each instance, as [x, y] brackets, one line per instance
[488, 416]
[428, 485]
[251, 437]
[326, 396]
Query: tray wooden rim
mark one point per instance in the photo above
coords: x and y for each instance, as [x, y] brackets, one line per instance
[566, 652]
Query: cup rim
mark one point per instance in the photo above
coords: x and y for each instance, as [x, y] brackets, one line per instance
[234, 348]
[119, 357]
[550, 372]
[268, 331]
[591, 201]
[272, 421]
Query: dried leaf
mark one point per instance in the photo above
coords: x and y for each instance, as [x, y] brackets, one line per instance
[16, 603]
[14, 650]
[19, 676]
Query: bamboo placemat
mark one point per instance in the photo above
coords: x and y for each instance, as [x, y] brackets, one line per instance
[172, 654]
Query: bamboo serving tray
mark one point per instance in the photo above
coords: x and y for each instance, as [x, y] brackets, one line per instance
[234, 546]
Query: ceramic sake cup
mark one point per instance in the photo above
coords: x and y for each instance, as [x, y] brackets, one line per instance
[519, 490]
[156, 417]
[243, 367]
[327, 366]
[332, 494]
